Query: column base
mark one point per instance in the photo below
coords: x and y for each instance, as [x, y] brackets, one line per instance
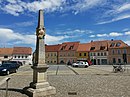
[40, 92]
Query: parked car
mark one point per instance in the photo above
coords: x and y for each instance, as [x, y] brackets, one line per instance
[80, 64]
[8, 68]
[17, 63]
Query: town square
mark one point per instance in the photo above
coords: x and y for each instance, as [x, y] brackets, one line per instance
[64, 48]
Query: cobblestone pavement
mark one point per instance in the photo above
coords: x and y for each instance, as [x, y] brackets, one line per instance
[94, 81]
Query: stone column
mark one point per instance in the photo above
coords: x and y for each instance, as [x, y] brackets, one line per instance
[40, 87]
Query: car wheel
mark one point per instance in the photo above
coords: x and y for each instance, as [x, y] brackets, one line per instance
[7, 72]
[86, 66]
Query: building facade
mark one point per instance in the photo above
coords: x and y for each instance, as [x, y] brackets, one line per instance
[52, 54]
[22, 54]
[5, 54]
[83, 50]
[120, 55]
[99, 52]
[67, 52]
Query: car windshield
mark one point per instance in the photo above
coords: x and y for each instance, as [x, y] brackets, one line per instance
[4, 65]
[77, 62]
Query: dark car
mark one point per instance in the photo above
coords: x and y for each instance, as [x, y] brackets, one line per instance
[17, 63]
[8, 68]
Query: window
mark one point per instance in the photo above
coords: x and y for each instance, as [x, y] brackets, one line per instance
[26, 56]
[98, 54]
[22, 56]
[119, 60]
[92, 48]
[63, 47]
[102, 47]
[112, 44]
[105, 53]
[114, 60]
[101, 53]
[113, 51]
[15, 56]
[119, 52]
[84, 54]
[124, 51]
[94, 54]
[71, 47]
[80, 54]
[5, 56]
[118, 44]
[18, 56]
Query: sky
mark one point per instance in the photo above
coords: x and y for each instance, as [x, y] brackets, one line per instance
[64, 20]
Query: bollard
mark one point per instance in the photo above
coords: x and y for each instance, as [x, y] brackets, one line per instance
[6, 95]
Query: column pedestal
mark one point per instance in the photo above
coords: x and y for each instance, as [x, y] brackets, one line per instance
[39, 87]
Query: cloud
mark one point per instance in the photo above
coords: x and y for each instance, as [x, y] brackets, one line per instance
[92, 36]
[112, 34]
[115, 34]
[115, 12]
[54, 39]
[124, 16]
[127, 42]
[24, 24]
[124, 7]
[127, 33]
[101, 35]
[126, 29]
[10, 37]
[18, 7]
[77, 6]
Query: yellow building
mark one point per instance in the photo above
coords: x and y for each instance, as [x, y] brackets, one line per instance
[51, 54]
[83, 51]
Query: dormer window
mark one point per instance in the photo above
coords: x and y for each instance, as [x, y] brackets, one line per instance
[71, 47]
[92, 48]
[118, 44]
[102, 47]
[112, 44]
[63, 47]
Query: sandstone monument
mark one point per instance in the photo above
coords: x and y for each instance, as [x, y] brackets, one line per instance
[40, 87]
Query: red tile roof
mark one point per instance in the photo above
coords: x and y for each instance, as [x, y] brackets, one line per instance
[115, 43]
[66, 46]
[99, 45]
[22, 50]
[6, 51]
[52, 48]
[106, 44]
[84, 47]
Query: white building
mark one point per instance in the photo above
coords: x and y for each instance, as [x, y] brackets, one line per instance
[22, 54]
[5, 54]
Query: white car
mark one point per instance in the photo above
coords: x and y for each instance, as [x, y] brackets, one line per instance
[80, 64]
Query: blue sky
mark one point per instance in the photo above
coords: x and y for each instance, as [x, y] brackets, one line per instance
[65, 21]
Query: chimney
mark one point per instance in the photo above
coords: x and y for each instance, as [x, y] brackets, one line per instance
[91, 40]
